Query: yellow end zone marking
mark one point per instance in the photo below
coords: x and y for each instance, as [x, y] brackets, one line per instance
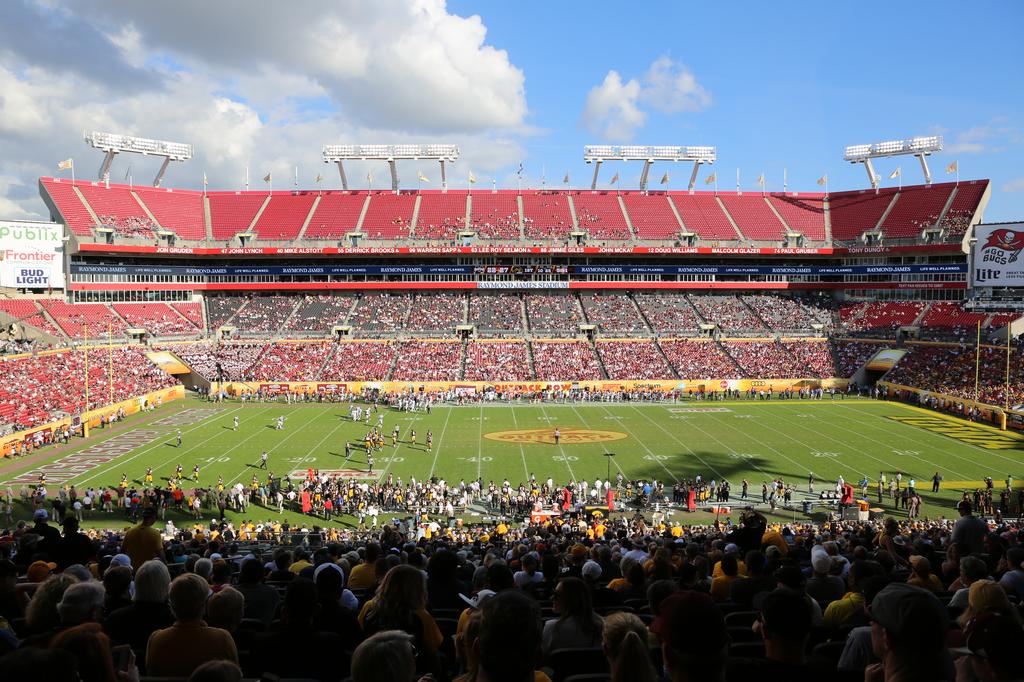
[999, 485]
[962, 431]
[958, 420]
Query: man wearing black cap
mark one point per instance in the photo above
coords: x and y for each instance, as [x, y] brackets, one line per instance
[908, 631]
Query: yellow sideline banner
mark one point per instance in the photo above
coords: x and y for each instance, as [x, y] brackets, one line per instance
[236, 388]
[91, 419]
[1002, 418]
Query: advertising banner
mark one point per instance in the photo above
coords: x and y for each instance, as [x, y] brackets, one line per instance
[31, 255]
[997, 255]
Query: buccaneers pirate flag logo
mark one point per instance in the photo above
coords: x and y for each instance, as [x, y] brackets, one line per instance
[1006, 240]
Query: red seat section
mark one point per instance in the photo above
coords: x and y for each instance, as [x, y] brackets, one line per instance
[754, 217]
[192, 311]
[284, 215]
[442, 215]
[25, 311]
[180, 212]
[600, 214]
[651, 214]
[804, 214]
[546, 215]
[497, 361]
[157, 318]
[565, 360]
[232, 212]
[638, 359]
[495, 215]
[389, 215]
[915, 209]
[336, 215]
[74, 317]
[116, 208]
[72, 211]
[703, 216]
[852, 213]
[965, 205]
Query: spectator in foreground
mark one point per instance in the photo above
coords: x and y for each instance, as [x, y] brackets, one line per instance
[509, 644]
[386, 656]
[694, 641]
[577, 626]
[217, 671]
[261, 600]
[81, 603]
[34, 663]
[274, 651]
[400, 604]
[625, 647]
[178, 650]
[91, 648]
[148, 612]
[908, 629]
[143, 542]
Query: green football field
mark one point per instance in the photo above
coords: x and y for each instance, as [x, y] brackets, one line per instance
[756, 441]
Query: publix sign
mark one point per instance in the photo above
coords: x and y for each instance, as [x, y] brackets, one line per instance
[31, 255]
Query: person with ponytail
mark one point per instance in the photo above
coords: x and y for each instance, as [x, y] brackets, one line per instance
[626, 647]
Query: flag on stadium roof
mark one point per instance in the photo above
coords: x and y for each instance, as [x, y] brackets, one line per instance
[952, 168]
[664, 179]
[615, 178]
[422, 177]
[472, 178]
[205, 181]
[822, 180]
[710, 179]
[896, 173]
[267, 177]
[319, 178]
[566, 179]
[760, 179]
[66, 164]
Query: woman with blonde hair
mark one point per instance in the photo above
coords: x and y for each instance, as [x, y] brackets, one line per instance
[625, 646]
[986, 596]
[401, 604]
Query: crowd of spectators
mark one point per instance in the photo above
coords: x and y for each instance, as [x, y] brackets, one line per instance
[380, 313]
[292, 362]
[728, 312]
[623, 596]
[764, 360]
[699, 359]
[814, 358]
[226, 361]
[779, 313]
[633, 360]
[37, 390]
[496, 314]
[437, 312]
[129, 227]
[565, 361]
[318, 314]
[879, 317]
[264, 314]
[612, 312]
[851, 356]
[669, 313]
[951, 370]
[428, 361]
[553, 313]
[497, 361]
[360, 361]
[220, 309]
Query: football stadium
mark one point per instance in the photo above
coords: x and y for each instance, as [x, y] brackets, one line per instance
[644, 426]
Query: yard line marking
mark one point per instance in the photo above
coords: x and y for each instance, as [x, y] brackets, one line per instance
[272, 449]
[441, 440]
[605, 448]
[946, 440]
[688, 448]
[522, 452]
[888, 446]
[565, 459]
[391, 458]
[784, 455]
[114, 465]
[282, 443]
[731, 450]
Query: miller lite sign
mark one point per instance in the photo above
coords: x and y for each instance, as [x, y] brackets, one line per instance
[998, 258]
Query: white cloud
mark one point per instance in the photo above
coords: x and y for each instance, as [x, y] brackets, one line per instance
[613, 108]
[1014, 185]
[264, 92]
[992, 137]
[670, 87]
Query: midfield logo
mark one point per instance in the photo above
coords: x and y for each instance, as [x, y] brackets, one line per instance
[569, 436]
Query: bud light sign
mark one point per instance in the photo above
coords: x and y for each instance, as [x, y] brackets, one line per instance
[31, 255]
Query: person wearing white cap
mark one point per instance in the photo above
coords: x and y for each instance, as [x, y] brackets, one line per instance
[347, 599]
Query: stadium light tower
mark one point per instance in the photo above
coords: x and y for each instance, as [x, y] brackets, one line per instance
[339, 153]
[914, 146]
[599, 153]
[112, 144]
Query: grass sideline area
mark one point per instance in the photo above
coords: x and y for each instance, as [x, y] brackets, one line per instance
[729, 440]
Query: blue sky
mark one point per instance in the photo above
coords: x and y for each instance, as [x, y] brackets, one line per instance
[526, 82]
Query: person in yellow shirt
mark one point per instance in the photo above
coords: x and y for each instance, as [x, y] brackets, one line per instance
[721, 585]
[363, 575]
[301, 562]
